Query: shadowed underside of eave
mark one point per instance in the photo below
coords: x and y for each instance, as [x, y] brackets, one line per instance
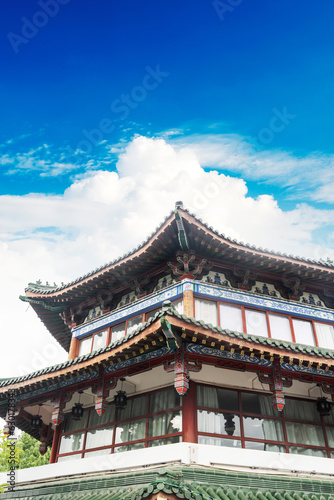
[150, 337]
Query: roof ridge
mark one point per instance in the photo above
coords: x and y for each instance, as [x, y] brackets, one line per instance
[38, 287]
[253, 247]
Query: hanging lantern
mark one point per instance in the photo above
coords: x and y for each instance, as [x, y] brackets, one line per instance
[36, 420]
[324, 407]
[121, 399]
[77, 409]
[229, 424]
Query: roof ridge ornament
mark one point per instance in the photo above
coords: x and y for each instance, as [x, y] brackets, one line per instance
[39, 286]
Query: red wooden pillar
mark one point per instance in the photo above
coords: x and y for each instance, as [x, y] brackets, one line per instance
[55, 441]
[189, 415]
[73, 348]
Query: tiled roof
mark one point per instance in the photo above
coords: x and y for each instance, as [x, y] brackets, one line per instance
[178, 231]
[168, 309]
[192, 483]
[85, 357]
[260, 341]
[47, 289]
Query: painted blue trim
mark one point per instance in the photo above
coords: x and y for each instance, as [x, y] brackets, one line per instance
[204, 290]
[266, 303]
[163, 351]
[58, 385]
[216, 353]
[171, 293]
[209, 351]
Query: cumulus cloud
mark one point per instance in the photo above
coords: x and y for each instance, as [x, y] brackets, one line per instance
[232, 153]
[106, 213]
[226, 152]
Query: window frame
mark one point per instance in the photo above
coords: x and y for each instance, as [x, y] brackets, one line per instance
[243, 308]
[92, 341]
[184, 408]
[116, 422]
[279, 417]
[109, 335]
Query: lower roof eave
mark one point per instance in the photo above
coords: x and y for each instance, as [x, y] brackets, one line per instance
[152, 338]
[197, 478]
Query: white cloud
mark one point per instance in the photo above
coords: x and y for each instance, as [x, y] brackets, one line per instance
[104, 214]
[232, 153]
[226, 152]
[40, 161]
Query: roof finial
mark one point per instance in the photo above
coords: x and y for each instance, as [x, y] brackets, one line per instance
[179, 204]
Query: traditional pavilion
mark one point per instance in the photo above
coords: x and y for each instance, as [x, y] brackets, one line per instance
[198, 367]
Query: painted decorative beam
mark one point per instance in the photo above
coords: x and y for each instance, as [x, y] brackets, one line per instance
[276, 383]
[102, 389]
[181, 367]
[59, 402]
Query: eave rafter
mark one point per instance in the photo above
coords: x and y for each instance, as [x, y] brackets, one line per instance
[154, 336]
[205, 238]
[150, 339]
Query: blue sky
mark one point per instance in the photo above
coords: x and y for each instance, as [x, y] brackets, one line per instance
[228, 67]
[112, 111]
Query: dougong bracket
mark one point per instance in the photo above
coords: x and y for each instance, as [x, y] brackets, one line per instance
[59, 403]
[187, 265]
[327, 388]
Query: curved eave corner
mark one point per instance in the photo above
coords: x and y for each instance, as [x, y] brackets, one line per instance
[49, 316]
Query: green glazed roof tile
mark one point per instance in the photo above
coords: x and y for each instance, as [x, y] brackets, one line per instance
[193, 484]
[169, 309]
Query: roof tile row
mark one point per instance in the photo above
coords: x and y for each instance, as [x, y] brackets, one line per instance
[191, 483]
[169, 309]
[115, 261]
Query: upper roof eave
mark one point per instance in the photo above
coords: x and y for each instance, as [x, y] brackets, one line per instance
[96, 274]
[270, 254]
[52, 292]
